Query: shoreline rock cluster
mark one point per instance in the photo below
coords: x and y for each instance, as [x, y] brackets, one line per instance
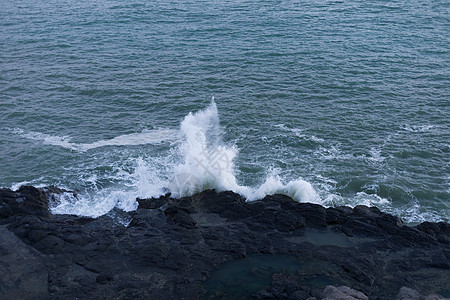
[217, 246]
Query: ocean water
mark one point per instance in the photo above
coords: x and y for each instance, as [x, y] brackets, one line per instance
[331, 102]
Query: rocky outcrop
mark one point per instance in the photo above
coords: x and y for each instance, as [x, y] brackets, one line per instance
[216, 246]
[25, 201]
[411, 294]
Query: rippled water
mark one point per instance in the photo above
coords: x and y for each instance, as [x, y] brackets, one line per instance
[349, 97]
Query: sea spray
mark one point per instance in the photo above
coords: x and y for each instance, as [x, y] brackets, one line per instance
[208, 163]
[196, 158]
[198, 161]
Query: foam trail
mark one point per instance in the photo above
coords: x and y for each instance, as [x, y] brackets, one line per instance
[145, 137]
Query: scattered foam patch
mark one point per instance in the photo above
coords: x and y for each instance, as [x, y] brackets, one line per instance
[298, 132]
[375, 155]
[417, 128]
[415, 213]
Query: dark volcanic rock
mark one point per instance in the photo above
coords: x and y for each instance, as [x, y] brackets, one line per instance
[23, 271]
[25, 201]
[153, 203]
[343, 293]
[216, 246]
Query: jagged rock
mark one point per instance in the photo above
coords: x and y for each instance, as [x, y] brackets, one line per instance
[172, 249]
[314, 214]
[408, 294]
[153, 203]
[5, 210]
[23, 271]
[27, 200]
[342, 293]
[49, 244]
[434, 297]
[180, 217]
[104, 278]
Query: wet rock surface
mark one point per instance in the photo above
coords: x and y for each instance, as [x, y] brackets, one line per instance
[217, 246]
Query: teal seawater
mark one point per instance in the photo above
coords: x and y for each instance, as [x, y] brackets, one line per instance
[351, 96]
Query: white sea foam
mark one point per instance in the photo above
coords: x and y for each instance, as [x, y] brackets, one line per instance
[201, 160]
[142, 138]
[375, 155]
[35, 182]
[334, 153]
[209, 164]
[298, 132]
[417, 128]
[17, 185]
[93, 205]
[362, 198]
[145, 180]
[415, 213]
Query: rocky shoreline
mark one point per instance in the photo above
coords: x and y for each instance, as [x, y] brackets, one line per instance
[217, 246]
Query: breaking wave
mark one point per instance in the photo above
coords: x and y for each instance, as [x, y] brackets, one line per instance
[200, 160]
[197, 159]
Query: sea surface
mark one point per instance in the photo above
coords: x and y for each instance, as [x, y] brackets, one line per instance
[331, 102]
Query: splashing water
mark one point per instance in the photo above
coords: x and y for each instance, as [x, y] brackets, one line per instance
[197, 158]
[200, 161]
[209, 163]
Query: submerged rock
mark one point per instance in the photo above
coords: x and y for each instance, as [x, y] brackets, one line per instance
[217, 246]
